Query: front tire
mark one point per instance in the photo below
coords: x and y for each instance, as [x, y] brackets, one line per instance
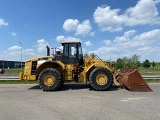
[49, 79]
[101, 79]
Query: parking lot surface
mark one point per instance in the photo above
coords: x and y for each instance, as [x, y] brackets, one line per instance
[77, 102]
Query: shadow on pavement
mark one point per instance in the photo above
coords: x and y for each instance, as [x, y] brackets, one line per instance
[35, 87]
[75, 86]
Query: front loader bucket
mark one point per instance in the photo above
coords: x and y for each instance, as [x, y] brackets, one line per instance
[131, 80]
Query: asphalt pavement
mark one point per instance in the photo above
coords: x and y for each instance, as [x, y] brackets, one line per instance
[77, 102]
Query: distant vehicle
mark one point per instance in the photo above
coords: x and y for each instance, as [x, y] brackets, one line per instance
[2, 71]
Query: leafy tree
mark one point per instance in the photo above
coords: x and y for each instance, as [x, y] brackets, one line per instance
[93, 55]
[146, 63]
[125, 62]
[119, 64]
[153, 64]
[85, 55]
[138, 64]
[132, 62]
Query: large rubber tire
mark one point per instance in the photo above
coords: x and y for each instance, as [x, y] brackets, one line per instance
[54, 79]
[101, 73]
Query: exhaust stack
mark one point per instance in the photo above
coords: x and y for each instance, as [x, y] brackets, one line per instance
[48, 50]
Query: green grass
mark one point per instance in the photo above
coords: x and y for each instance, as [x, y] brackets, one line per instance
[150, 71]
[18, 82]
[153, 81]
[13, 71]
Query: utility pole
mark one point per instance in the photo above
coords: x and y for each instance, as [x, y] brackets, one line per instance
[21, 54]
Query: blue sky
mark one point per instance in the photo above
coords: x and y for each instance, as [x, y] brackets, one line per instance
[111, 29]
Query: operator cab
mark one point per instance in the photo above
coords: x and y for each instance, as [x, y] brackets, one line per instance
[72, 53]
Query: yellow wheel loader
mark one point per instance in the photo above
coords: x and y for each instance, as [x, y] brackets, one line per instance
[68, 65]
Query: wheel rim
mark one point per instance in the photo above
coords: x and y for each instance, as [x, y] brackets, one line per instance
[101, 79]
[49, 80]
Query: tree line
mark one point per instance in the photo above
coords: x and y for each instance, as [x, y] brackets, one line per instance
[133, 62]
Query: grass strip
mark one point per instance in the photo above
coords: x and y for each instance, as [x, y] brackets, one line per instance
[13, 71]
[153, 81]
[18, 82]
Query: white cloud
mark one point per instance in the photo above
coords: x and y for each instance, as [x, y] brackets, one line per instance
[61, 38]
[14, 34]
[14, 48]
[29, 53]
[88, 43]
[107, 18]
[41, 45]
[92, 34]
[151, 35]
[3, 23]
[126, 37]
[79, 28]
[70, 25]
[108, 42]
[146, 45]
[14, 52]
[143, 13]
[84, 28]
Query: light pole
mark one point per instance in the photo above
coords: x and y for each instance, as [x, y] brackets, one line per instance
[21, 54]
[4, 62]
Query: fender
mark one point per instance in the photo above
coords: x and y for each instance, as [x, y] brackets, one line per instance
[50, 64]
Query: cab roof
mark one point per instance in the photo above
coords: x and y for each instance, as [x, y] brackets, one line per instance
[70, 42]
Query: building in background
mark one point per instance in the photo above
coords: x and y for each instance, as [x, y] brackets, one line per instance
[10, 64]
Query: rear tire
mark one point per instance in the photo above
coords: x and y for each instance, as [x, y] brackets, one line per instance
[101, 79]
[49, 79]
